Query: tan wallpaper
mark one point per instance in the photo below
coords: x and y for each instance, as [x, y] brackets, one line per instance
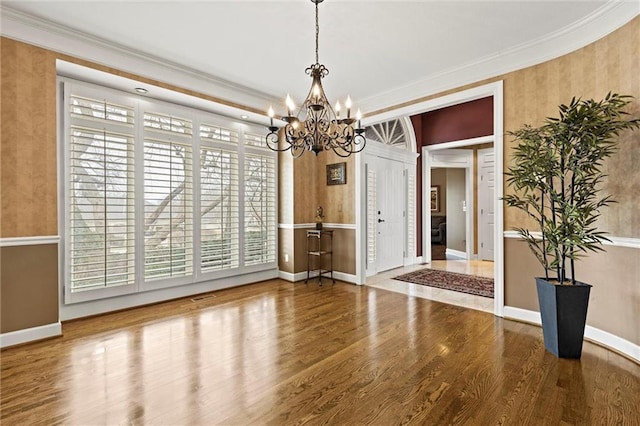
[28, 195]
[610, 64]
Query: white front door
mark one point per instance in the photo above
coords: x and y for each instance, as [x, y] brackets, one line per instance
[486, 194]
[390, 198]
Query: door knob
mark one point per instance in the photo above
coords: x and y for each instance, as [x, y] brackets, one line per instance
[380, 220]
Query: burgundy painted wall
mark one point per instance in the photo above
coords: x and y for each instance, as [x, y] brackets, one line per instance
[457, 122]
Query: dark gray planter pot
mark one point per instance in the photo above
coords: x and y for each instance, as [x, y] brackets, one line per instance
[563, 309]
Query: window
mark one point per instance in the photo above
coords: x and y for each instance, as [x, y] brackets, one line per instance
[101, 195]
[155, 202]
[219, 216]
[259, 209]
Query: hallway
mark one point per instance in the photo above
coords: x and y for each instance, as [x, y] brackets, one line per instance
[480, 268]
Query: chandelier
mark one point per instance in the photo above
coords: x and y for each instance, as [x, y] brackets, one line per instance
[317, 126]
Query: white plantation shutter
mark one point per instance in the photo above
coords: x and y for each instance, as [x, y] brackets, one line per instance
[258, 141]
[372, 225]
[138, 211]
[211, 132]
[411, 220]
[100, 110]
[259, 209]
[219, 215]
[168, 200]
[100, 225]
[167, 124]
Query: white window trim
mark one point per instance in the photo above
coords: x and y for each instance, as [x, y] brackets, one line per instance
[133, 292]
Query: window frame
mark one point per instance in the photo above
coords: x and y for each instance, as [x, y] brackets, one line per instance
[143, 104]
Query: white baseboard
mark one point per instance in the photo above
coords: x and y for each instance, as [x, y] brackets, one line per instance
[613, 342]
[592, 334]
[100, 306]
[523, 315]
[30, 334]
[301, 276]
[289, 276]
[456, 254]
[408, 261]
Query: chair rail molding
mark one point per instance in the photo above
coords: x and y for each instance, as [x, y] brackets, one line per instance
[29, 241]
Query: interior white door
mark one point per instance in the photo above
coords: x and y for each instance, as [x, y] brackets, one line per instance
[390, 214]
[486, 194]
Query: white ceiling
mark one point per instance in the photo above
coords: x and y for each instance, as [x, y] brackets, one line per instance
[371, 48]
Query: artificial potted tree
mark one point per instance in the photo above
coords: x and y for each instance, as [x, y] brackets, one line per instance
[556, 179]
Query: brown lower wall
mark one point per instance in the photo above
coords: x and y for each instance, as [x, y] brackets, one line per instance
[614, 304]
[28, 286]
[293, 242]
[344, 250]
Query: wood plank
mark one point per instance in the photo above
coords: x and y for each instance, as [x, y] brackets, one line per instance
[283, 353]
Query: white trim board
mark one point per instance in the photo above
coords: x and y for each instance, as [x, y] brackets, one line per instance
[30, 334]
[312, 226]
[591, 334]
[100, 306]
[615, 241]
[301, 276]
[29, 241]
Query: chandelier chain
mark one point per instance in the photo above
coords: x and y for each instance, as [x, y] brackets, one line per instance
[317, 34]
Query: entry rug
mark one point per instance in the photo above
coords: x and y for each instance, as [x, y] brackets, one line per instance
[479, 286]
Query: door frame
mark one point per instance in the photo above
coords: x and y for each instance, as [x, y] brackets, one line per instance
[495, 90]
[454, 159]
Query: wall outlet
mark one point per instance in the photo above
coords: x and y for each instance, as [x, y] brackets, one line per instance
[286, 258]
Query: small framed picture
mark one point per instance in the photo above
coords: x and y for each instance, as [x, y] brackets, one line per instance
[337, 174]
[435, 198]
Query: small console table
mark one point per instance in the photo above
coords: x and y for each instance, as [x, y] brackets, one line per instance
[320, 246]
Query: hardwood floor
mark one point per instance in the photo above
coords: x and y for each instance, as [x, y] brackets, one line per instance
[283, 353]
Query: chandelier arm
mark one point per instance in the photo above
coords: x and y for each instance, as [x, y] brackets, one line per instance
[272, 139]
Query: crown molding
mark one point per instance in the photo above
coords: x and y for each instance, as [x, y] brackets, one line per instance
[608, 18]
[62, 39]
[59, 38]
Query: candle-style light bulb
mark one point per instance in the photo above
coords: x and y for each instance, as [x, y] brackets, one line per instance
[270, 113]
[359, 117]
[338, 109]
[290, 105]
[348, 105]
[316, 91]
